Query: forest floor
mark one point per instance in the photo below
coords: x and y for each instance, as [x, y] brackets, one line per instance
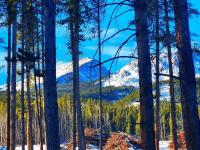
[114, 141]
[164, 145]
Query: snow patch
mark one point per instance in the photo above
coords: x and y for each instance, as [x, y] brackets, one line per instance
[164, 145]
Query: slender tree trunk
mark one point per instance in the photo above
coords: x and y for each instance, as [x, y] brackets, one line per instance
[75, 53]
[22, 75]
[14, 92]
[157, 129]
[43, 67]
[51, 105]
[38, 94]
[38, 113]
[8, 76]
[29, 115]
[100, 77]
[22, 107]
[145, 77]
[30, 124]
[41, 115]
[187, 76]
[43, 38]
[171, 79]
[74, 90]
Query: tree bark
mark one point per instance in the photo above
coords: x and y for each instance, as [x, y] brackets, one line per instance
[37, 96]
[171, 79]
[8, 75]
[40, 115]
[187, 76]
[14, 92]
[100, 77]
[22, 75]
[157, 128]
[37, 87]
[145, 77]
[23, 108]
[51, 105]
[76, 87]
[43, 66]
[29, 114]
[74, 90]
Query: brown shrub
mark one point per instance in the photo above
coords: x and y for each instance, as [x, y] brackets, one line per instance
[121, 141]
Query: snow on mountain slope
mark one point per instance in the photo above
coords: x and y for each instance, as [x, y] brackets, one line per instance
[128, 75]
[64, 68]
[87, 74]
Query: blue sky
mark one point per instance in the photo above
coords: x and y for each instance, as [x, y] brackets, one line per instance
[89, 46]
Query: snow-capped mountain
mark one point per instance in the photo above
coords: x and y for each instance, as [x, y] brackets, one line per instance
[128, 75]
[87, 72]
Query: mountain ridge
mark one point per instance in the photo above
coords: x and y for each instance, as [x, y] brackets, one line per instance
[128, 75]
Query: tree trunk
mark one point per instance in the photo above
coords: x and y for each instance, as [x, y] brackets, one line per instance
[29, 115]
[74, 90]
[14, 68]
[22, 107]
[157, 128]
[8, 76]
[38, 113]
[37, 89]
[100, 78]
[51, 105]
[145, 80]
[43, 66]
[171, 79]
[22, 75]
[187, 76]
[41, 115]
[75, 53]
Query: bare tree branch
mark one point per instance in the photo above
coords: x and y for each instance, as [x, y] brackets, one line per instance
[166, 75]
[125, 29]
[117, 57]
